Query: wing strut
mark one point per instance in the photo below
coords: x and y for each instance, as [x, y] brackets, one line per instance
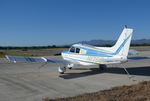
[129, 76]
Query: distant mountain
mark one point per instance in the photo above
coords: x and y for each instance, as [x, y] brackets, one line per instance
[98, 42]
[112, 42]
[141, 41]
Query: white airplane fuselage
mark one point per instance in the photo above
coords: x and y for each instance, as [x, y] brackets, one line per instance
[89, 55]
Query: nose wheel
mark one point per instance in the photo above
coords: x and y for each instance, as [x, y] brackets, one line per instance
[61, 70]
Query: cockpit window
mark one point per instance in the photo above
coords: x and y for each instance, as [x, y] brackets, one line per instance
[72, 49]
[77, 50]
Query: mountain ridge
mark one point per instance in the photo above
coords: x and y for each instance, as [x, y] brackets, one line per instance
[112, 42]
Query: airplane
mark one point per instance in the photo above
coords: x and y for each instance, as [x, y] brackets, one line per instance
[83, 54]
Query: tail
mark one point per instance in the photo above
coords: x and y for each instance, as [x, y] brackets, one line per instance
[122, 45]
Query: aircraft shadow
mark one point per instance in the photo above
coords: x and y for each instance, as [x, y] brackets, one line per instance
[141, 71]
[138, 58]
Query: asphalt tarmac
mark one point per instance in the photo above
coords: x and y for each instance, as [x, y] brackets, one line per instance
[32, 82]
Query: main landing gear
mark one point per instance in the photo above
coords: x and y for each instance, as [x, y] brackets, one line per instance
[102, 67]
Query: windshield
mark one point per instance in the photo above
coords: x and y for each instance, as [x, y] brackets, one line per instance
[72, 49]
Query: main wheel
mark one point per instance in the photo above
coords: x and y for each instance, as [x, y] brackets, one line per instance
[70, 68]
[102, 67]
[61, 72]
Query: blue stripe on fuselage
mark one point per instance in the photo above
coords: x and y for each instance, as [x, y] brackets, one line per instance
[95, 52]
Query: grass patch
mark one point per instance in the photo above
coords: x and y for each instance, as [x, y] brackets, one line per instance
[32, 52]
[137, 92]
[15, 53]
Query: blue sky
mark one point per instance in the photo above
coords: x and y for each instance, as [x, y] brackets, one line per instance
[59, 22]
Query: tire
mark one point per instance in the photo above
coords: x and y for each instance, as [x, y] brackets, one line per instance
[102, 67]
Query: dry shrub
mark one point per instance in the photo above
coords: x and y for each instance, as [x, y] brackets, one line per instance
[2, 52]
[138, 92]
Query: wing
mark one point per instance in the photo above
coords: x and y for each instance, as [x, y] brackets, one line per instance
[36, 59]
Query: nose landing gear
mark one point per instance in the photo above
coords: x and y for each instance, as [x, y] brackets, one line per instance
[61, 70]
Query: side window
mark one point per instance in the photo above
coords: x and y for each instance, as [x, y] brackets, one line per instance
[82, 51]
[77, 50]
[72, 49]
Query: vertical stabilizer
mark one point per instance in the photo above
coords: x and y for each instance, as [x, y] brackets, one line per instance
[122, 45]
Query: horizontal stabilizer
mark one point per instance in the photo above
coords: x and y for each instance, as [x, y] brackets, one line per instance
[133, 52]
